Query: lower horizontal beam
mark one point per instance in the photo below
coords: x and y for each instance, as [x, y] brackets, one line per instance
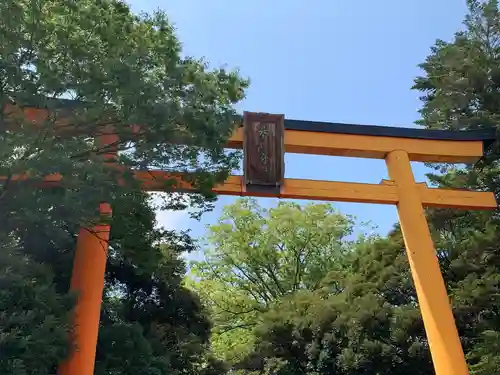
[462, 199]
[384, 193]
[338, 192]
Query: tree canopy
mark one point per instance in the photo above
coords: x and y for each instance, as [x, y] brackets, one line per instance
[96, 68]
[257, 256]
[352, 311]
[460, 89]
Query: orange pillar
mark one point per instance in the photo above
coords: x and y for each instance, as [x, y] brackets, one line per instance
[88, 282]
[446, 350]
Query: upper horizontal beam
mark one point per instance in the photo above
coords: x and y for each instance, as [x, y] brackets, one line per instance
[486, 135]
[374, 146]
[366, 141]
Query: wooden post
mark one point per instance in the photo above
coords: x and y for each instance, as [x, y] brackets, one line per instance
[88, 282]
[446, 350]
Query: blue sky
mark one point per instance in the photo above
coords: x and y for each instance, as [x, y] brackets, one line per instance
[325, 60]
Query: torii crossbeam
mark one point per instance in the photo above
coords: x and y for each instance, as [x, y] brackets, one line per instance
[265, 138]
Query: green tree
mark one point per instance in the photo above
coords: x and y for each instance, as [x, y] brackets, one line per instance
[363, 320]
[460, 87]
[151, 323]
[119, 69]
[257, 256]
[95, 68]
[34, 318]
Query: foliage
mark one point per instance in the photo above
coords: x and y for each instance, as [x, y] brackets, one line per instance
[150, 322]
[147, 311]
[34, 318]
[257, 256]
[461, 78]
[363, 320]
[487, 354]
[461, 91]
[95, 68]
[119, 69]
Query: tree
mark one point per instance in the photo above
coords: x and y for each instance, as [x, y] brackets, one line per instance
[120, 70]
[461, 78]
[255, 257]
[34, 318]
[95, 68]
[150, 323]
[461, 85]
[363, 320]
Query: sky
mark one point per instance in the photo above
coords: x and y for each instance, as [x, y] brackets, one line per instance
[324, 60]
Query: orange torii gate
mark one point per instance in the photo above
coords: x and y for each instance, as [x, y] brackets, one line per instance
[265, 138]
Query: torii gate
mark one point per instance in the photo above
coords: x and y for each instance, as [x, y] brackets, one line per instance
[265, 138]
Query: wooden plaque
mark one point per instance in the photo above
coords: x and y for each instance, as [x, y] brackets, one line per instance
[264, 152]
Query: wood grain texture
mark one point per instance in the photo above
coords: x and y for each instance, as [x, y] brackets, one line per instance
[263, 146]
